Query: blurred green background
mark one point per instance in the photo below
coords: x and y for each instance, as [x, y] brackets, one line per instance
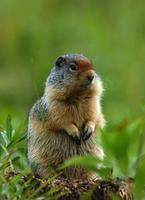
[34, 33]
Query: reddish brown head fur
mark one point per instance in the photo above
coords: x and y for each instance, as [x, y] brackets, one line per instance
[81, 61]
[84, 64]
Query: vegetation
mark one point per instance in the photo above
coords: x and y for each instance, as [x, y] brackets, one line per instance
[111, 33]
[125, 157]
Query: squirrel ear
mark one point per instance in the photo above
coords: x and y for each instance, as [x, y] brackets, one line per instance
[60, 60]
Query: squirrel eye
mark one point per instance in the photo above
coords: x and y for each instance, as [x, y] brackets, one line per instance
[72, 67]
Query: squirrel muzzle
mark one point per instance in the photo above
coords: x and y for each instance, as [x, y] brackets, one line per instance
[89, 77]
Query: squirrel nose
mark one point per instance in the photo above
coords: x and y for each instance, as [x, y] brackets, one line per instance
[90, 77]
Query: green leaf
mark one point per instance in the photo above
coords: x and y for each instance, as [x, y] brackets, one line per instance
[16, 142]
[9, 127]
[88, 162]
[105, 172]
[140, 178]
[4, 138]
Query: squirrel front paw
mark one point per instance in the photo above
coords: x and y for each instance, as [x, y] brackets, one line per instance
[88, 129]
[73, 131]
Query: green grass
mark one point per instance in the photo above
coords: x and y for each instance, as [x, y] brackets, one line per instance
[124, 146]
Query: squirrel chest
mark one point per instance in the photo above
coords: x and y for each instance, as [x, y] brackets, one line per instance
[74, 112]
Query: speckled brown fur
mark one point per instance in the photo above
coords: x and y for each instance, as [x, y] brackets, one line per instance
[65, 121]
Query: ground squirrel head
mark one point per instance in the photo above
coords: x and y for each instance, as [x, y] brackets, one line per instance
[73, 73]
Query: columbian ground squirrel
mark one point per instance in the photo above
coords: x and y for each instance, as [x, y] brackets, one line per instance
[65, 121]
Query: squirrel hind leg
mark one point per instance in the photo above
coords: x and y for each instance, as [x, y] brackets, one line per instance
[99, 152]
[39, 171]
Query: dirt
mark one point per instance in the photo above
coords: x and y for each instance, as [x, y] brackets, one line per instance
[65, 189]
